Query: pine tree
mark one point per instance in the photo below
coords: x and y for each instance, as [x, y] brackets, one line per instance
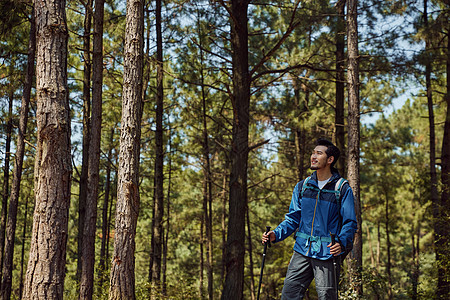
[46, 264]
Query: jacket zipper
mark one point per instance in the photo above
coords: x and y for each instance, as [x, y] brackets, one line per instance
[314, 217]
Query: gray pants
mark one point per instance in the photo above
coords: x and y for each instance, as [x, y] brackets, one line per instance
[302, 270]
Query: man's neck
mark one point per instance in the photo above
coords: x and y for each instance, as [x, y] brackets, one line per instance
[323, 174]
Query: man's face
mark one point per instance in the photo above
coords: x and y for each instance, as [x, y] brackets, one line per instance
[319, 159]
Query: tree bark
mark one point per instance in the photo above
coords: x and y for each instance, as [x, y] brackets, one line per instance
[83, 185]
[223, 226]
[159, 160]
[122, 279]
[442, 253]
[388, 246]
[166, 240]
[22, 257]
[355, 258]
[207, 184]
[5, 188]
[433, 175]
[18, 164]
[53, 168]
[340, 84]
[235, 247]
[89, 230]
[250, 254]
[105, 221]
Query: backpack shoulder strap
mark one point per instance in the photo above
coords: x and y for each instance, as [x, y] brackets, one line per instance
[337, 188]
[305, 184]
[339, 184]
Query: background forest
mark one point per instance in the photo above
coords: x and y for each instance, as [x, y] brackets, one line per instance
[201, 179]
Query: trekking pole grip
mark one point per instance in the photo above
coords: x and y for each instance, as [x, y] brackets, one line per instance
[267, 230]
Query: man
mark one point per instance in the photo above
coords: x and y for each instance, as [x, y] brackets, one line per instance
[315, 213]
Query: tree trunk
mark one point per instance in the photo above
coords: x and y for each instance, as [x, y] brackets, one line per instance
[88, 249]
[122, 279]
[442, 253]
[5, 192]
[110, 214]
[355, 258]
[53, 168]
[202, 261]
[340, 84]
[250, 254]
[18, 164]
[166, 240]
[433, 175]
[83, 190]
[22, 257]
[415, 258]
[105, 222]
[159, 160]
[388, 247]
[224, 228]
[207, 187]
[369, 241]
[299, 135]
[235, 247]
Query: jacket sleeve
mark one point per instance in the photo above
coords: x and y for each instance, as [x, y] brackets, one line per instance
[292, 218]
[349, 223]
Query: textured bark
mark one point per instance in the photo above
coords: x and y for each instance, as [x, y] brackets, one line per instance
[250, 254]
[53, 168]
[166, 239]
[5, 188]
[388, 246]
[18, 164]
[235, 247]
[299, 130]
[105, 221]
[432, 160]
[122, 279]
[207, 185]
[223, 225]
[159, 151]
[442, 253]
[22, 257]
[355, 257]
[340, 84]
[86, 132]
[89, 230]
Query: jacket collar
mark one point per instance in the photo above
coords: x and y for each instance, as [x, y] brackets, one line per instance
[334, 176]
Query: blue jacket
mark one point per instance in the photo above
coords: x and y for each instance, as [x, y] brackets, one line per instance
[316, 215]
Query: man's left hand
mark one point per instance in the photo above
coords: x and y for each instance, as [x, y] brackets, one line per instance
[335, 249]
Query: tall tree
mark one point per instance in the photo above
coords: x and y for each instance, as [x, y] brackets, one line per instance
[443, 256]
[235, 247]
[46, 264]
[89, 230]
[18, 164]
[122, 280]
[431, 122]
[340, 83]
[5, 187]
[86, 95]
[355, 258]
[159, 151]
[105, 222]
[207, 181]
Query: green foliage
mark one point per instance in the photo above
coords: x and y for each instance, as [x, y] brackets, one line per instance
[293, 92]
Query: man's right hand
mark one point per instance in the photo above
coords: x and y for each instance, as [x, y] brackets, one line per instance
[268, 235]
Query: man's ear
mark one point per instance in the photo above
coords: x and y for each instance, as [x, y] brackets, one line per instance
[330, 160]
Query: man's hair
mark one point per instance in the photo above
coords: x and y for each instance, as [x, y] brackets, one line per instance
[332, 150]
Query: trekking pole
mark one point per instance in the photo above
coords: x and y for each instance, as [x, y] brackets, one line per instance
[336, 281]
[263, 259]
